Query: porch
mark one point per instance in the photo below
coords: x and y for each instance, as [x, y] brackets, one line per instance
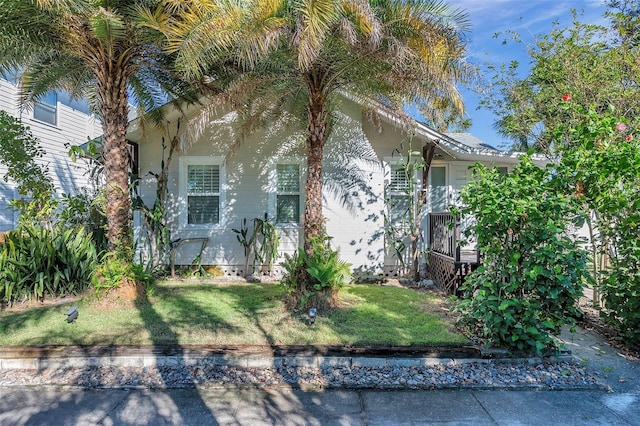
[447, 262]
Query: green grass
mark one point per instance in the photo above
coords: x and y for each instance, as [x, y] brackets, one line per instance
[237, 313]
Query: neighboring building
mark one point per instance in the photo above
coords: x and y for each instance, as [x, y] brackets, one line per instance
[58, 123]
[215, 182]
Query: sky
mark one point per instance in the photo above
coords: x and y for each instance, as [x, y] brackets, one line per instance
[530, 18]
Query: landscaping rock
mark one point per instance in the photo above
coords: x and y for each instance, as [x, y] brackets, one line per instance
[557, 375]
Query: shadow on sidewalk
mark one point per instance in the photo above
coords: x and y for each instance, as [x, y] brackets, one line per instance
[163, 404]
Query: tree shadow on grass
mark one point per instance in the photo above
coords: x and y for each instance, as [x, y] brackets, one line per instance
[387, 316]
[252, 307]
[166, 341]
[186, 314]
[13, 322]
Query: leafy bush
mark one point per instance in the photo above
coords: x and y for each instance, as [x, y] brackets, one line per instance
[37, 261]
[312, 280]
[88, 210]
[20, 154]
[532, 273]
[114, 272]
[601, 166]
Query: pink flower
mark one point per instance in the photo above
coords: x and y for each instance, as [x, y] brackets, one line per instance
[566, 97]
[628, 138]
[621, 127]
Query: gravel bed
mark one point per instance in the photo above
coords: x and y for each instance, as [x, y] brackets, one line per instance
[557, 375]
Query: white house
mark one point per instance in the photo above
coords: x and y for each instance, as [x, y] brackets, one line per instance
[58, 123]
[215, 182]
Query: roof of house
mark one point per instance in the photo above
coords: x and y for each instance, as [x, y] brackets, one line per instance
[471, 141]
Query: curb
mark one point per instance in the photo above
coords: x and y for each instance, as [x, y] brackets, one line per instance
[60, 357]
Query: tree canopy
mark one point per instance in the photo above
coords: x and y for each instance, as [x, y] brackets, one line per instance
[96, 50]
[595, 64]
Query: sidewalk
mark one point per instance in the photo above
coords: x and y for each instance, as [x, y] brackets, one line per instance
[296, 407]
[286, 406]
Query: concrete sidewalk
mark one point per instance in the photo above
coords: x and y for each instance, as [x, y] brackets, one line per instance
[296, 407]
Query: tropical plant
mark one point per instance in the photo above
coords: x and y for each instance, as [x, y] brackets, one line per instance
[154, 218]
[601, 168]
[404, 203]
[261, 245]
[580, 104]
[21, 152]
[85, 209]
[95, 50]
[114, 272]
[36, 262]
[327, 272]
[533, 271]
[301, 57]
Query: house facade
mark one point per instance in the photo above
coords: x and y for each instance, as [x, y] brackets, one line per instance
[218, 177]
[58, 123]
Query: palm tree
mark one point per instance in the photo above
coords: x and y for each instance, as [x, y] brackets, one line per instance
[300, 54]
[94, 50]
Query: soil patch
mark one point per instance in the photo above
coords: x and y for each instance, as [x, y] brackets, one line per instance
[127, 295]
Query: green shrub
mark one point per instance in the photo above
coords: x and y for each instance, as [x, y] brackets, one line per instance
[313, 280]
[621, 292]
[532, 273]
[22, 156]
[601, 167]
[37, 261]
[114, 272]
[86, 209]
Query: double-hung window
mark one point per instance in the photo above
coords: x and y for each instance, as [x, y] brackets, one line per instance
[288, 193]
[202, 190]
[46, 109]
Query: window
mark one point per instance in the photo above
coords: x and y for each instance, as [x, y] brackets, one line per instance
[288, 193]
[398, 195]
[202, 183]
[503, 170]
[438, 189]
[46, 109]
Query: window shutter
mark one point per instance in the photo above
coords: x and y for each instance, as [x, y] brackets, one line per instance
[203, 179]
[288, 177]
[398, 180]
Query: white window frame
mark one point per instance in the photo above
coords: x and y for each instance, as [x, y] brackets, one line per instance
[392, 163]
[48, 107]
[184, 164]
[273, 192]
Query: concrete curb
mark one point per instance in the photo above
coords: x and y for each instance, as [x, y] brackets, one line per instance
[54, 357]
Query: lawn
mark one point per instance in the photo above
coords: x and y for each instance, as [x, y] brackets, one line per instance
[202, 312]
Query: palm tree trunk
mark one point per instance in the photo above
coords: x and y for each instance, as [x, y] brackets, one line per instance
[114, 109]
[313, 219]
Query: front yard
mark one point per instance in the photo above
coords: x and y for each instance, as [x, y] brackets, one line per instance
[204, 312]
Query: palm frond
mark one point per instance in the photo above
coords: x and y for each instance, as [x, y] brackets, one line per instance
[107, 27]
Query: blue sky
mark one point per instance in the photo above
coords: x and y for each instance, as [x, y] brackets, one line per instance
[530, 18]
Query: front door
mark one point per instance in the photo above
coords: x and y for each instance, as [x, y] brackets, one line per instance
[438, 200]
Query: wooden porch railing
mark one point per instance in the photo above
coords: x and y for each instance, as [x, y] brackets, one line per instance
[444, 234]
[448, 264]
